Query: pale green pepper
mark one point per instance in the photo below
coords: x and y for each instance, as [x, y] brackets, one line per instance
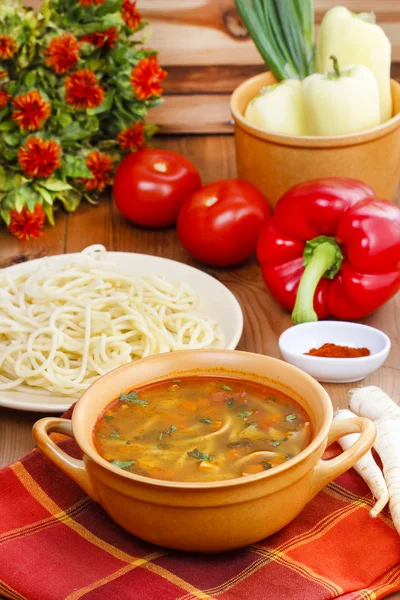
[356, 40]
[341, 101]
[279, 108]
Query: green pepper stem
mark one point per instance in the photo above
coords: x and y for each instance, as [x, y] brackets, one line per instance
[335, 65]
[322, 257]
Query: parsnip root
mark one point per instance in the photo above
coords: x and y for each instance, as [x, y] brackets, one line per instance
[373, 403]
[366, 466]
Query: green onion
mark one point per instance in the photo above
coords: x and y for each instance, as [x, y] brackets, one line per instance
[283, 32]
[207, 421]
[230, 402]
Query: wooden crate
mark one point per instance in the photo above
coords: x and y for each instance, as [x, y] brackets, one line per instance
[207, 53]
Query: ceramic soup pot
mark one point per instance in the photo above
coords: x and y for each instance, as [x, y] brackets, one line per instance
[275, 162]
[211, 516]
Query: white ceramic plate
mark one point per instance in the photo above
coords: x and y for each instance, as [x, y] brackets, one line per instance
[215, 300]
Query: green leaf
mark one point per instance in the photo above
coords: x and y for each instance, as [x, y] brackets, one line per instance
[92, 124]
[5, 215]
[47, 197]
[75, 132]
[109, 6]
[64, 119]
[75, 167]
[30, 79]
[10, 154]
[94, 64]
[133, 398]
[48, 209]
[245, 414]
[225, 387]
[25, 195]
[70, 199]
[7, 125]
[104, 107]
[5, 181]
[55, 185]
[200, 455]
[122, 464]
[12, 139]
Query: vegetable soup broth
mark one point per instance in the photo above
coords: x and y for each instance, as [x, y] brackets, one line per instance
[201, 429]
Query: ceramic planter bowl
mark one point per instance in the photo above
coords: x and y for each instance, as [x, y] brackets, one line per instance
[275, 162]
[215, 516]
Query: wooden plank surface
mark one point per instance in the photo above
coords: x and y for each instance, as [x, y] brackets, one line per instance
[207, 32]
[264, 320]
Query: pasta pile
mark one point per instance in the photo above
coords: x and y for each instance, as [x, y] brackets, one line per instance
[60, 329]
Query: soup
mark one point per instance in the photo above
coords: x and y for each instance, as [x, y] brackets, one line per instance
[201, 429]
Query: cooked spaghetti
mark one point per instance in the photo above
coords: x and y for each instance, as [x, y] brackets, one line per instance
[61, 328]
[201, 429]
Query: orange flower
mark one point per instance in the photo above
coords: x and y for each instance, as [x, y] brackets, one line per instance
[8, 47]
[82, 89]
[102, 38]
[4, 98]
[101, 165]
[132, 138]
[145, 78]
[3, 74]
[90, 2]
[63, 53]
[31, 110]
[39, 157]
[130, 14]
[27, 225]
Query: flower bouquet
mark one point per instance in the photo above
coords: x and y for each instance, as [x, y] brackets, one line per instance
[75, 87]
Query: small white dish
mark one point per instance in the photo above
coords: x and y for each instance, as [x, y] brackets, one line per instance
[299, 339]
[215, 301]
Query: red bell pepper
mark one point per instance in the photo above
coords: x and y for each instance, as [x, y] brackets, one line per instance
[331, 248]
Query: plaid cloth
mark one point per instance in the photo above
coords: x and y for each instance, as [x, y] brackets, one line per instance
[56, 544]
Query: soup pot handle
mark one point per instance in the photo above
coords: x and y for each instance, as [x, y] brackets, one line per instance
[73, 467]
[327, 470]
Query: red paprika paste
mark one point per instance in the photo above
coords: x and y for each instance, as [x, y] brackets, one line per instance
[334, 351]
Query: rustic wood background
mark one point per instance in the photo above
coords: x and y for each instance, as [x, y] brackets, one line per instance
[207, 53]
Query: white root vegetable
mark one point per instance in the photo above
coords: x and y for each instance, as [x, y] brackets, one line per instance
[371, 402]
[366, 466]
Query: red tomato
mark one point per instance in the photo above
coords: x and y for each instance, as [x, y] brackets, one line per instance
[150, 186]
[220, 223]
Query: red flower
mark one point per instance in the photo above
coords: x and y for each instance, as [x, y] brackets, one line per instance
[63, 53]
[102, 38]
[39, 157]
[132, 138]
[130, 14]
[82, 89]
[101, 165]
[27, 225]
[31, 110]
[90, 2]
[4, 98]
[145, 78]
[8, 47]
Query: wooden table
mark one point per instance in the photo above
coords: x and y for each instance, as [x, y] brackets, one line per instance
[264, 319]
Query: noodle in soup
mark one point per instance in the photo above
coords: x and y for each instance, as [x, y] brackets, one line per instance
[201, 429]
